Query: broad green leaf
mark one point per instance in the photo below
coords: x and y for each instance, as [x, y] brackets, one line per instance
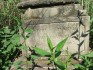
[56, 59]
[34, 57]
[60, 45]
[12, 32]
[79, 66]
[23, 47]
[15, 39]
[17, 63]
[5, 52]
[57, 54]
[90, 55]
[10, 47]
[5, 36]
[28, 30]
[41, 51]
[50, 45]
[5, 42]
[6, 30]
[14, 49]
[60, 65]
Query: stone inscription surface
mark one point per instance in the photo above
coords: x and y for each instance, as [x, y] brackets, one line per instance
[55, 11]
[57, 32]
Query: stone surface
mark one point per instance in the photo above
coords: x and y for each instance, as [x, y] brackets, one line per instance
[44, 3]
[56, 31]
[51, 20]
[54, 12]
[58, 24]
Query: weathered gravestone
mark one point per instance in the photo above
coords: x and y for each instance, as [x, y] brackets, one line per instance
[57, 19]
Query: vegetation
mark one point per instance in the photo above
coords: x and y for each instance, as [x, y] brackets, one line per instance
[53, 55]
[10, 46]
[87, 59]
[87, 62]
[9, 36]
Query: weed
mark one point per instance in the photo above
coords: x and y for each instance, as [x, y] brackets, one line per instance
[54, 53]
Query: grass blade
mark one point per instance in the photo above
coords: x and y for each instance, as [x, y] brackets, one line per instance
[50, 45]
[60, 65]
[41, 51]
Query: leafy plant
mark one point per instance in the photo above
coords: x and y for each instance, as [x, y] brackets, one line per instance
[10, 45]
[87, 62]
[23, 46]
[9, 34]
[9, 41]
[54, 53]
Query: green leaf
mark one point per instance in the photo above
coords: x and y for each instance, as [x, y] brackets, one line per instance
[60, 45]
[12, 32]
[50, 45]
[17, 63]
[28, 30]
[17, 20]
[6, 36]
[57, 54]
[0, 60]
[23, 47]
[91, 21]
[60, 65]
[41, 51]
[6, 30]
[5, 42]
[15, 39]
[79, 66]
[1, 31]
[90, 55]
[34, 57]
[10, 47]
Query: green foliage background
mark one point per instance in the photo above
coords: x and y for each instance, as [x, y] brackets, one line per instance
[9, 36]
[88, 5]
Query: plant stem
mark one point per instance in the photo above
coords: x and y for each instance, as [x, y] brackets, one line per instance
[26, 56]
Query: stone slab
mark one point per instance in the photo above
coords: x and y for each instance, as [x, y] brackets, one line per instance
[44, 3]
[53, 12]
[50, 20]
[56, 31]
[58, 22]
[78, 35]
